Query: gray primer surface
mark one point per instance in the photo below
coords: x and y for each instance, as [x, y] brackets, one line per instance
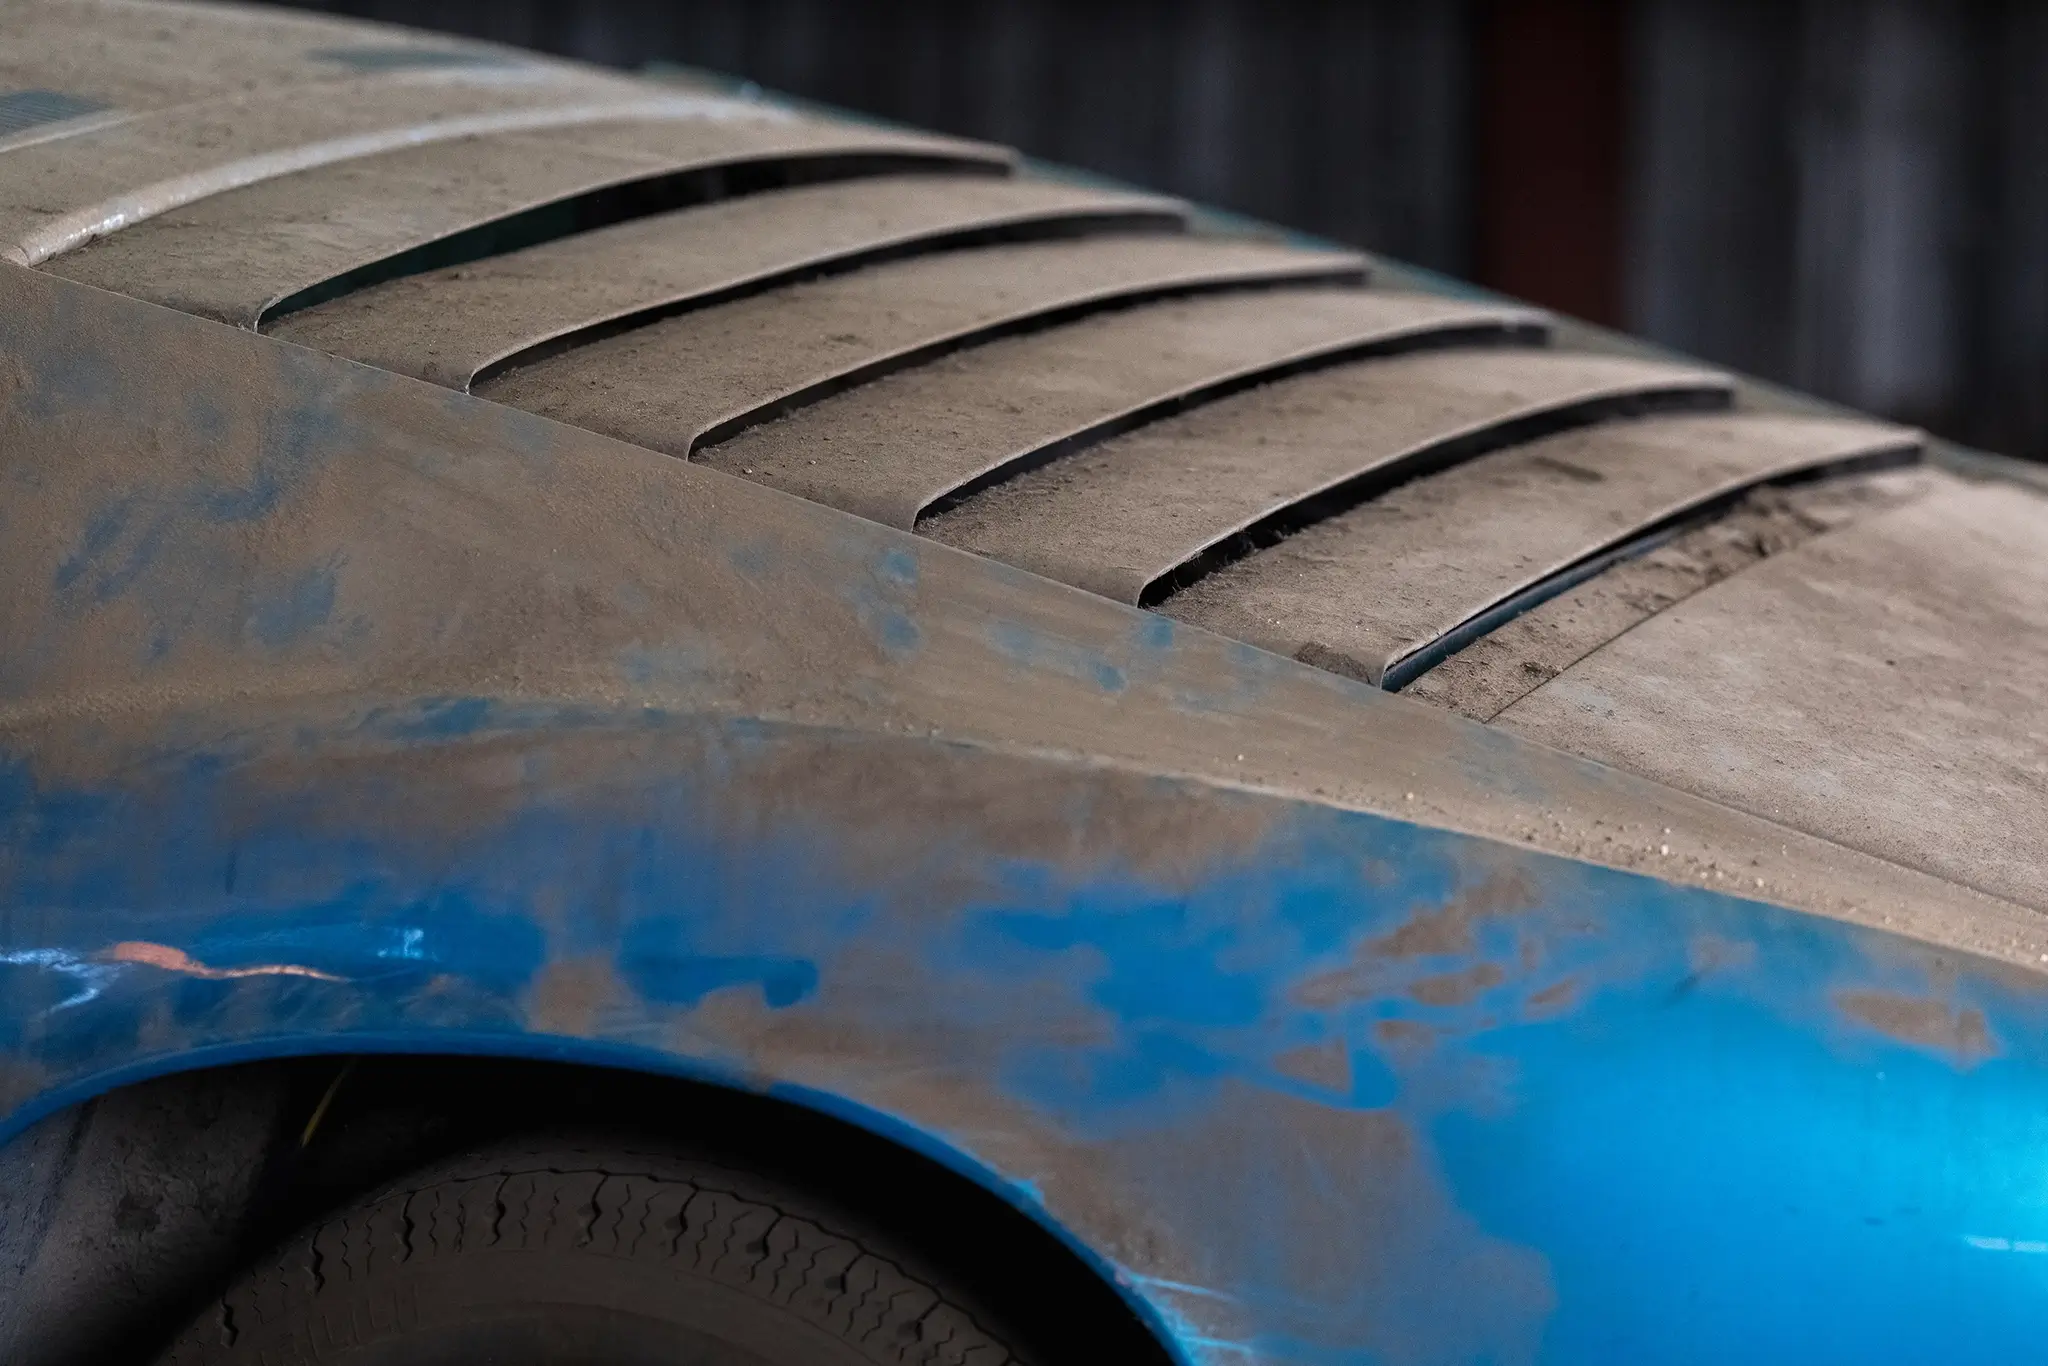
[143, 57]
[1116, 518]
[231, 255]
[57, 195]
[670, 384]
[890, 449]
[1880, 687]
[1406, 569]
[447, 325]
[1516, 658]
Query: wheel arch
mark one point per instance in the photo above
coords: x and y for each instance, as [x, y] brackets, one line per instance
[278, 1095]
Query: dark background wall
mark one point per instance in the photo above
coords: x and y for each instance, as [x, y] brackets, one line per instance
[1847, 195]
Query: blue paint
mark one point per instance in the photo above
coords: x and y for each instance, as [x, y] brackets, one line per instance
[656, 959]
[65, 371]
[114, 549]
[1176, 979]
[1830, 1198]
[632, 599]
[1647, 1172]
[673, 663]
[37, 983]
[441, 718]
[102, 529]
[897, 565]
[1033, 649]
[883, 602]
[753, 559]
[287, 613]
[1600, 1119]
[165, 538]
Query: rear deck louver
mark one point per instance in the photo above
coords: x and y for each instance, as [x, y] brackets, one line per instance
[1416, 491]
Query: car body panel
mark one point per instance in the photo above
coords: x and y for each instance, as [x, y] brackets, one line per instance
[233, 240]
[1880, 686]
[342, 712]
[948, 849]
[753, 358]
[892, 450]
[1205, 480]
[1390, 577]
[130, 57]
[451, 325]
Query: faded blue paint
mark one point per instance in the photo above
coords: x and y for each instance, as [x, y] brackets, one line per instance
[648, 665]
[1036, 650]
[756, 559]
[101, 530]
[286, 613]
[1311, 1086]
[897, 565]
[884, 601]
[1563, 1114]
[437, 718]
[1154, 632]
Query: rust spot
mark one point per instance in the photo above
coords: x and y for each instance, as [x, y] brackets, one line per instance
[1448, 929]
[1555, 999]
[1711, 953]
[1457, 988]
[1326, 990]
[1373, 1194]
[1403, 1034]
[177, 960]
[1960, 1033]
[570, 996]
[1327, 1065]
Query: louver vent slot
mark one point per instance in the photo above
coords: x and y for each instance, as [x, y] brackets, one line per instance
[705, 375]
[58, 196]
[1134, 517]
[451, 325]
[235, 237]
[1387, 589]
[891, 450]
[1878, 686]
[1576, 613]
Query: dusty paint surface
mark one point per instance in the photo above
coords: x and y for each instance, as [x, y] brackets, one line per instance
[1879, 686]
[338, 712]
[1542, 1123]
[451, 325]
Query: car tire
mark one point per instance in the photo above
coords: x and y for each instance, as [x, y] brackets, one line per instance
[575, 1256]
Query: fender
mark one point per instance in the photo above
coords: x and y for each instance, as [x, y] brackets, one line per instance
[381, 718]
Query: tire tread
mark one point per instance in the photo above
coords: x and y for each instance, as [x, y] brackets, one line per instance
[303, 1303]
